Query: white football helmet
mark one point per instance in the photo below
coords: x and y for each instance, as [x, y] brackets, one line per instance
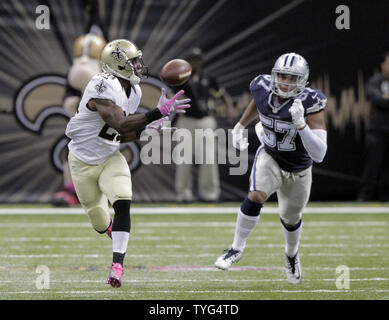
[123, 59]
[297, 68]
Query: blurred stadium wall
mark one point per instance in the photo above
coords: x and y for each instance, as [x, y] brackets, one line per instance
[240, 39]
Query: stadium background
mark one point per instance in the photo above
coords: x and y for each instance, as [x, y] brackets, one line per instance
[240, 39]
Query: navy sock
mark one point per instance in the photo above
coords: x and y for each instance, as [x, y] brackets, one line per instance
[250, 208]
[291, 228]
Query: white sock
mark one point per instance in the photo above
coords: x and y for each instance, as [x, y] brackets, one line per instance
[292, 240]
[244, 225]
[120, 241]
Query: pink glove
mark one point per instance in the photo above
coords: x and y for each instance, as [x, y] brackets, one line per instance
[161, 125]
[172, 105]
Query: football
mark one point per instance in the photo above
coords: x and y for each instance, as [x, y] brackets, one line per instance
[176, 72]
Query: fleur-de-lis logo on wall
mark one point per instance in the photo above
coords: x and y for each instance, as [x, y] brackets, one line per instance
[117, 54]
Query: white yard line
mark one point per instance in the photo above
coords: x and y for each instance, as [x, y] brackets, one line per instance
[204, 280]
[307, 238]
[194, 210]
[132, 256]
[143, 292]
[208, 224]
[214, 269]
[267, 245]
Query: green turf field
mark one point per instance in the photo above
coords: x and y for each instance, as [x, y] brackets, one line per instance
[171, 256]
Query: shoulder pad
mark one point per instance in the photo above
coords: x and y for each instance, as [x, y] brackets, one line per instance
[104, 75]
[101, 87]
[313, 100]
[261, 81]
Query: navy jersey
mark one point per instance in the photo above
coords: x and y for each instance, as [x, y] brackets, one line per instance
[281, 138]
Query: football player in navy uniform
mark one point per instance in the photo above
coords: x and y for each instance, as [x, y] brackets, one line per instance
[294, 136]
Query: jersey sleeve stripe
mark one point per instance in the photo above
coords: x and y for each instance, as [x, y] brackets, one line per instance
[316, 108]
[253, 170]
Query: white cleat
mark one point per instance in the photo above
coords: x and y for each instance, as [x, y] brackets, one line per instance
[293, 269]
[229, 257]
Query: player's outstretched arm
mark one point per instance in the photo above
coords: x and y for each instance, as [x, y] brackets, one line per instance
[114, 116]
[249, 115]
[159, 126]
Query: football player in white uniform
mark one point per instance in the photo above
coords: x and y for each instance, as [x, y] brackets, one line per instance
[293, 135]
[105, 117]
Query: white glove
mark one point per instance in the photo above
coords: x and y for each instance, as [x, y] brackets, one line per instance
[297, 113]
[172, 105]
[259, 131]
[238, 140]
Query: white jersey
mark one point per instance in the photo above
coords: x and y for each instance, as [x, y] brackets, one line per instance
[92, 140]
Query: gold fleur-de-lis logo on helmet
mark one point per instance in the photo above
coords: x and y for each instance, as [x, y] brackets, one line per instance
[117, 54]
